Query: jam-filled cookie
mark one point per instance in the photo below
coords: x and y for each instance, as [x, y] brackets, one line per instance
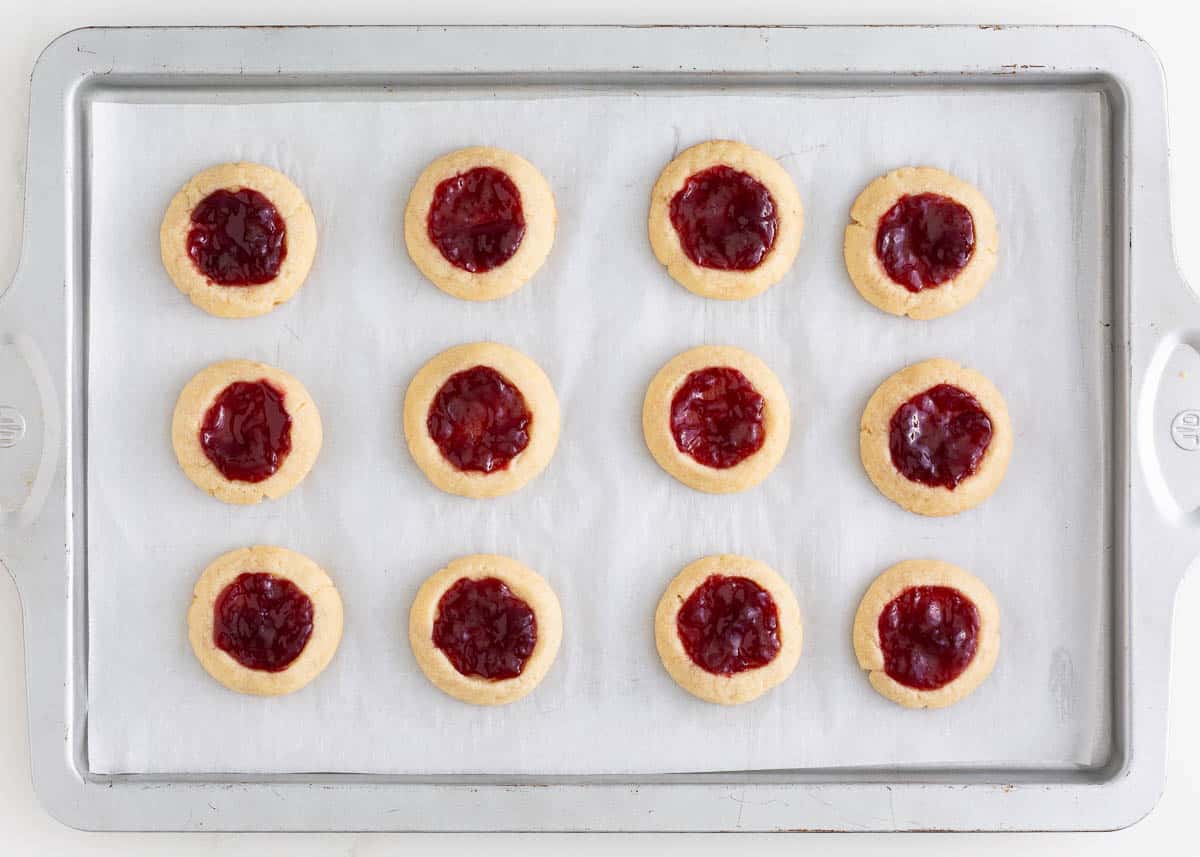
[264, 620]
[725, 220]
[716, 418]
[481, 420]
[935, 438]
[728, 629]
[920, 243]
[238, 239]
[485, 629]
[480, 222]
[927, 633]
[243, 431]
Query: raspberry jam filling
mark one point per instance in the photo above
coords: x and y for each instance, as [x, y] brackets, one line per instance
[924, 240]
[726, 219]
[263, 622]
[476, 219]
[247, 432]
[237, 238]
[479, 420]
[938, 437]
[928, 635]
[728, 625]
[484, 629]
[717, 417]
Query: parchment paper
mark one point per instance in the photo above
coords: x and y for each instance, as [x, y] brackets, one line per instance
[603, 524]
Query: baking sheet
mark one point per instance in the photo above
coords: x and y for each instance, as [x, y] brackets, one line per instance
[603, 524]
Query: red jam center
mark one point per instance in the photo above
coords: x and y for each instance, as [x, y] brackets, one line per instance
[717, 417]
[925, 240]
[484, 629]
[479, 420]
[729, 624]
[263, 622]
[725, 218]
[939, 436]
[237, 238]
[476, 219]
[928, 635]
[247, 432]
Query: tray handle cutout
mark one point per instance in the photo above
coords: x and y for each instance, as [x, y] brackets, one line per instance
[30, 430]
[1169, 420]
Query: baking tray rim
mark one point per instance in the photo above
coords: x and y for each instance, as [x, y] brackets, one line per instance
[82, 63]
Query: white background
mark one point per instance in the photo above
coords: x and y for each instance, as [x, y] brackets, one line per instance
[28, 26]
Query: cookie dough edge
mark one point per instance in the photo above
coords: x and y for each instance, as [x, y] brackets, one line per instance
[540, 399]
[888, 586]
[527, 585]
[867, 273]
[197, 397]
[712, 283]
[656, 409]
[239, 301]
[934, 501]
[745, 686]
[318, 652]
[538, 207]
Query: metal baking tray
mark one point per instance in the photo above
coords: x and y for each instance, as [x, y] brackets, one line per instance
[1135, 411]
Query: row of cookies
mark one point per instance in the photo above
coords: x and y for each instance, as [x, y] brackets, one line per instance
[725, 220]
[486, 629]
[481, 420]
[725, 628]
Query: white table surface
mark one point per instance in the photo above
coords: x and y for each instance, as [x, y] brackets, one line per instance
[27, 25]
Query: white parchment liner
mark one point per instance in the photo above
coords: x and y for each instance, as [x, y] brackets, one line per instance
[603, 524]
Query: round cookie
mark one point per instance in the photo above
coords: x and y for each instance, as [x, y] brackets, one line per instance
[448, 182]
[299, 243]
[740, 682]
[285, 572]
[949, 287]
[194, 416]
[667, 398]
[876, 439]
[530, 416]
[920, 588]
[756, 261]
[503, 669]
